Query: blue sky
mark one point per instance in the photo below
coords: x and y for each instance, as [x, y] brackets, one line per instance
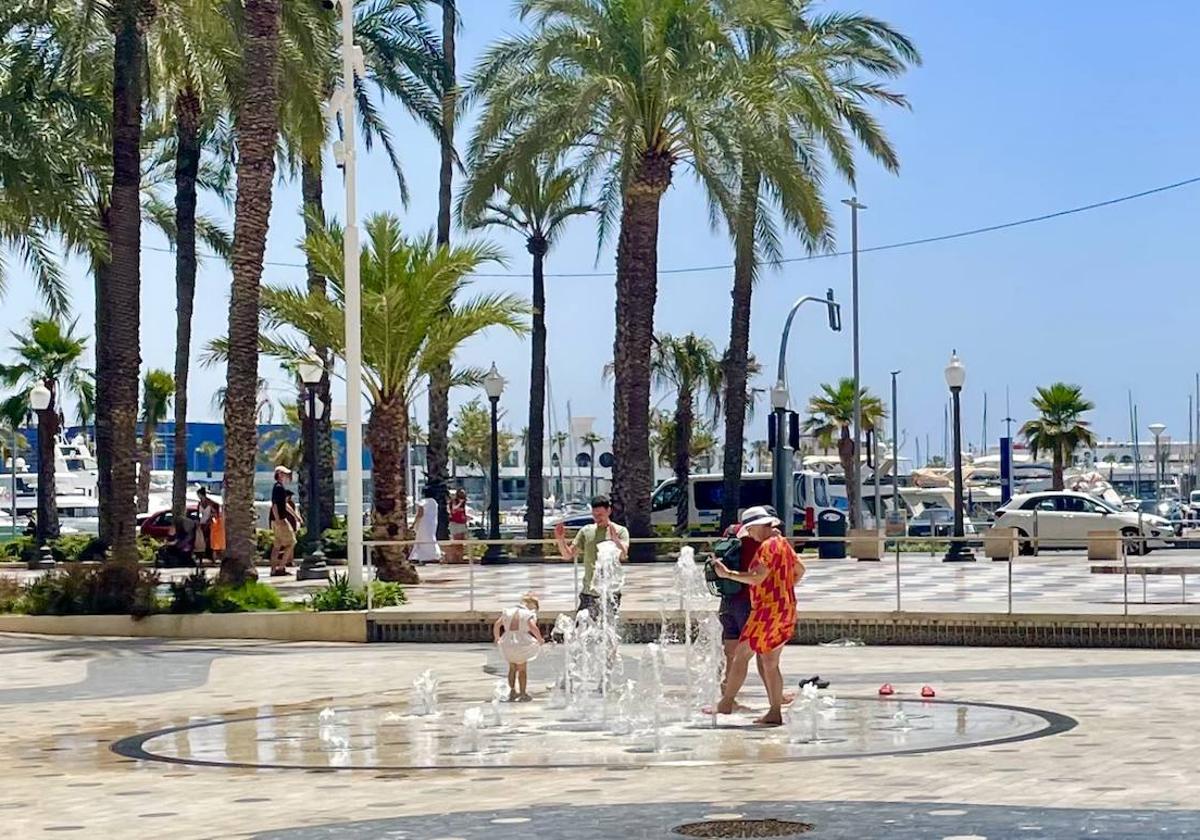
[1020, 108]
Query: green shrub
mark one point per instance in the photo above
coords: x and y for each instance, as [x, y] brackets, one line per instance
[333, 543]
[262, 542]
[251, 596]
[105, 589]
[191, 594]
[339, 595]
[11, 593]
[15, 548]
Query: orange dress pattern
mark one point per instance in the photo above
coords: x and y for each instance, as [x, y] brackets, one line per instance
[773, 602]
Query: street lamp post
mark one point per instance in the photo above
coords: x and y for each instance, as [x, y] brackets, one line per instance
[1157, 429]
[311, 369]
[493, 386]
[956, 377]
[781, 464]
[856, 469]
[39, 401]
[895, 450]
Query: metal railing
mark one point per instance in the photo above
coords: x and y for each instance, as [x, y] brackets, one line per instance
[1113, 550]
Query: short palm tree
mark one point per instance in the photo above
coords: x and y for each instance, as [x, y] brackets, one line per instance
[633, 87]
[762, 455]
[49, 354]
[536, 199]
[813, 78]
[209, 450]
[158, 387]
[559, 441]
[689, 366]
[406, 333]
[1061, 428]
[590, 440]
[831, 413]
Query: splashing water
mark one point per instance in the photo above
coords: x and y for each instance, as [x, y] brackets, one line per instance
[806, 713]
[607, 579]
[425, 701]
[471, 739]
[500, 693]
[900, 719]
[689, 583]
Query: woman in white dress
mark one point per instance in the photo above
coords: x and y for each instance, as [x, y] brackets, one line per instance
[517, 636]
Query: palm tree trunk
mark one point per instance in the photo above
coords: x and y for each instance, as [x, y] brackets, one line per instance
[1057, 474]
[47, 503]
[146, 464]
[314, 215]
[737, 357]
[438, 450]
[187, 165]
[682, 455]
[123, 296]
[637, 291]
[387, 439]
[847, 454]
[534, 489]
[257, 127]
[103, 419]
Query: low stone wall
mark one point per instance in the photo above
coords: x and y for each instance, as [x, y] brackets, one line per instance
[281, 626]
[944, 629]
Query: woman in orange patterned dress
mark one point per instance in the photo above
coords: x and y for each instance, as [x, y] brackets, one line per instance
[772, 579]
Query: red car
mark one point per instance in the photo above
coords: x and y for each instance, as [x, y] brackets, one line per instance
[160, 524]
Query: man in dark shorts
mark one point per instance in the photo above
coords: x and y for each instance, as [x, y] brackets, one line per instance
[733, 613]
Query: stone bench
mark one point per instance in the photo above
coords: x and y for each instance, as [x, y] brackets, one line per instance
[865, 544]
[1104, 545]
[1148, 571]
[1000, 543]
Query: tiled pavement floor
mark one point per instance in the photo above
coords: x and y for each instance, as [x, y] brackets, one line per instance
[1127, 770]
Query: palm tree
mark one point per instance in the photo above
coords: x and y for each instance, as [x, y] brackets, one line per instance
[1061, 428]
[406, 334]
[559, 440]
[632, 87]
[158, 387]
[689, 366]
[536, 199]
[590, 440]
[256, 129]
[209, 450]
[762, 455]
[831, 412]
[49, 354]
[813, 78]
[437, 451]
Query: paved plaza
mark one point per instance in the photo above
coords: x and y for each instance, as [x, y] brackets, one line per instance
[118, 738]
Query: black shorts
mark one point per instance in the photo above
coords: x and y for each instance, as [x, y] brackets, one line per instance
[734, 614]
[591, 603]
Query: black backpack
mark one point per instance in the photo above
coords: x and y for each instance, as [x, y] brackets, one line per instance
[728, 549]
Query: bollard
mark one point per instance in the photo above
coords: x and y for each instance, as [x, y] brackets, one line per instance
[470, 583]
[1012, 558]
[898, 576]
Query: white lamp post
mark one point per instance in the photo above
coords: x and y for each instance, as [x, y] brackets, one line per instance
[956, 377]
[39, 400]
[1157, 429]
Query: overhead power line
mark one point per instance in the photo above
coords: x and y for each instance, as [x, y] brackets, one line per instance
[891, 246]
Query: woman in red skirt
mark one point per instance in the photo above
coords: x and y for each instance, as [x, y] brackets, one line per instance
[772, 579]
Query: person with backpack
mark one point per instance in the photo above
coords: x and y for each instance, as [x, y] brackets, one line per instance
[737, 553]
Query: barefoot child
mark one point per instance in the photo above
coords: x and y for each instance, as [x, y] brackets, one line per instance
[517, 635]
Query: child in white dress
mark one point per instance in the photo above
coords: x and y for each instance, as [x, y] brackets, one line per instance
[517, 635]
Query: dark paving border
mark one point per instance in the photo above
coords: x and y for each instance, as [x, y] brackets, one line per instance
[831, 820]
[134, 746]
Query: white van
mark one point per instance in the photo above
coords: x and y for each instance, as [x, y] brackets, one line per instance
[705, 494]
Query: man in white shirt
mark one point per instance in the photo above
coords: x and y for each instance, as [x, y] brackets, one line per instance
[426, 548]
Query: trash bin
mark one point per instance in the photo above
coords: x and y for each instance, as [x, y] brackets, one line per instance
[831, 523]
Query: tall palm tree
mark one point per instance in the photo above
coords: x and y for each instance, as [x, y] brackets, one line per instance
[689, 366]
[158, 387]
[536, 199]
[814, 77]
[831, 413]
[406, 334]
[1061, 428]
[761, 453]
[632, 87]
[590, 440]
[256, 129]
[559, 440]
[49, 354]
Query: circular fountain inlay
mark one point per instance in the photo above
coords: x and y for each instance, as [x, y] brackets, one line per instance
[535, 735]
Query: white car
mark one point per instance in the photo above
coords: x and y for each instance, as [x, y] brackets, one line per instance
[1064, 518]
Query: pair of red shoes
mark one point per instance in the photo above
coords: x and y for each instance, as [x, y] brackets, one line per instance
[887, 690]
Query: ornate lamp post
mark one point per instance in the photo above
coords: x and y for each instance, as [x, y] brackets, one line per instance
[39, 400]
[311, 369]
[956, 377]
[493, 386]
